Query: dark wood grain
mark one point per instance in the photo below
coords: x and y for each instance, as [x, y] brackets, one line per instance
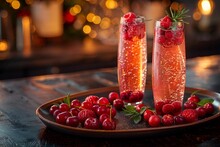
[19, 98]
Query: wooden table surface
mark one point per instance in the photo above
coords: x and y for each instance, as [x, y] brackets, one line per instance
[19, 98]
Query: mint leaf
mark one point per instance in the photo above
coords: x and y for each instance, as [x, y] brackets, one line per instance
[131, 111]
[67, 100]
[143, 109]
[204, 101]
[137, 119]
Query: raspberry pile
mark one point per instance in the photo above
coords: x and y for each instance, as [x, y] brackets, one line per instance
[170, 33]
[93, 113]
[133, 28]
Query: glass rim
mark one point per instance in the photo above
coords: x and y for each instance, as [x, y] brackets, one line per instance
[138, 19]
[157, 24]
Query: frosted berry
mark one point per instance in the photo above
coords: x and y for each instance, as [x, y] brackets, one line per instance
[129, 17]
[92, 123]
[166, 22]
[167, 120]
[168, 34]
[108, 124]
[193, 98]
[92, 99]
[190, 115]
[86, 105]
[84, 114]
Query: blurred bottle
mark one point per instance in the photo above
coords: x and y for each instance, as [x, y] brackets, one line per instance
[47, 17]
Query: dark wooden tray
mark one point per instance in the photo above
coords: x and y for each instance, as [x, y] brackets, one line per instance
[125, 127]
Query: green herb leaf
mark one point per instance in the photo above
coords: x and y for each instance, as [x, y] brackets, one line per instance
[143, 109]
[67, 100]
[204, 101]
[137, 119]
[131, 111]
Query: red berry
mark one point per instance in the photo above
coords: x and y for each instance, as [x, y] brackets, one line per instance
[103, 101]
[95, 107]
[168, 109]
[108, 124]
[179, 119]
[84, 114]
[161, 39]
[190, 115]
[129, 17]
[101, 110]
[53, 108]
[72, 121]
[177, 107]
[209, 108]
[147, 114]
[75, 103]
[86, 105]
[201, 112]
[166, 22]
[56, 112]
[62, 117]
[168, 34]
[190, 105]
[92, 99]
[194, 98]
[113, 96]
[158, 107]
[125, 95]
[91, 123]
[118, 104]
[136, 96]
[74, 111]
[64, 107]
[103, 117]
[167, 120]
[154, 121]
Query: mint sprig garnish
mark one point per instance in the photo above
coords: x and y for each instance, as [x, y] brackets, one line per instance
[67, 99]
[204, 101]
[134, 115]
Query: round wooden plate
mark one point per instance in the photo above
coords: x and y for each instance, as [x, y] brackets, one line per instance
[125, 127]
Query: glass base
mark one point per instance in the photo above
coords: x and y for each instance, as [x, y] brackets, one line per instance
[133, 104]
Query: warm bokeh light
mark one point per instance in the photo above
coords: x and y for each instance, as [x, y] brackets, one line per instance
[111, 4]
[79, 22]
[96, 19]
[105, 23]
[206, 6]
[87, 29]
[3, 46]
[9, 1]
[76, 9]
[15, 4]
[93, 34]
[90, 16]
[197, 16]
[28, 2]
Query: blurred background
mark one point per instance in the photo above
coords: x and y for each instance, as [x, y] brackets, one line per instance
[39, 37]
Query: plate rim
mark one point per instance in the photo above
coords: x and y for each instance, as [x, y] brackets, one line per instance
[120, 132]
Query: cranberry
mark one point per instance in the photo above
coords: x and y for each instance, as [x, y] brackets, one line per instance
[101, 110]
[201, 112]
[147, 114]
[190, 115]
[193, 98]
[177, 106]
[103, 117]
[209, 108]
[167, 120]
[113, 96]
[62, 117]
[74, 111]
[103, 101]
[136, 96]
[179, 119]
[125, 95]
[91, 123]
[92, 99]
[190, 105]
[53, 108]
[168, 109]
[75, 103]
[86, 105]
[154, 121]
[108, 124]
[158, 107]
[161, 39]
[118, 104]
[84, 114]
[64, 107]
[166, 22]
[56, 112]
[72, 121]
[95, 107]
[129, 17]
[168, 34]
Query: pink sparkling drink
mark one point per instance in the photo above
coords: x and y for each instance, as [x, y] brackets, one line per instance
[168, 65]
[132, 58]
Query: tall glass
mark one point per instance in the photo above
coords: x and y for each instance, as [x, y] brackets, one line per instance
[132, 60]
[168, 65]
